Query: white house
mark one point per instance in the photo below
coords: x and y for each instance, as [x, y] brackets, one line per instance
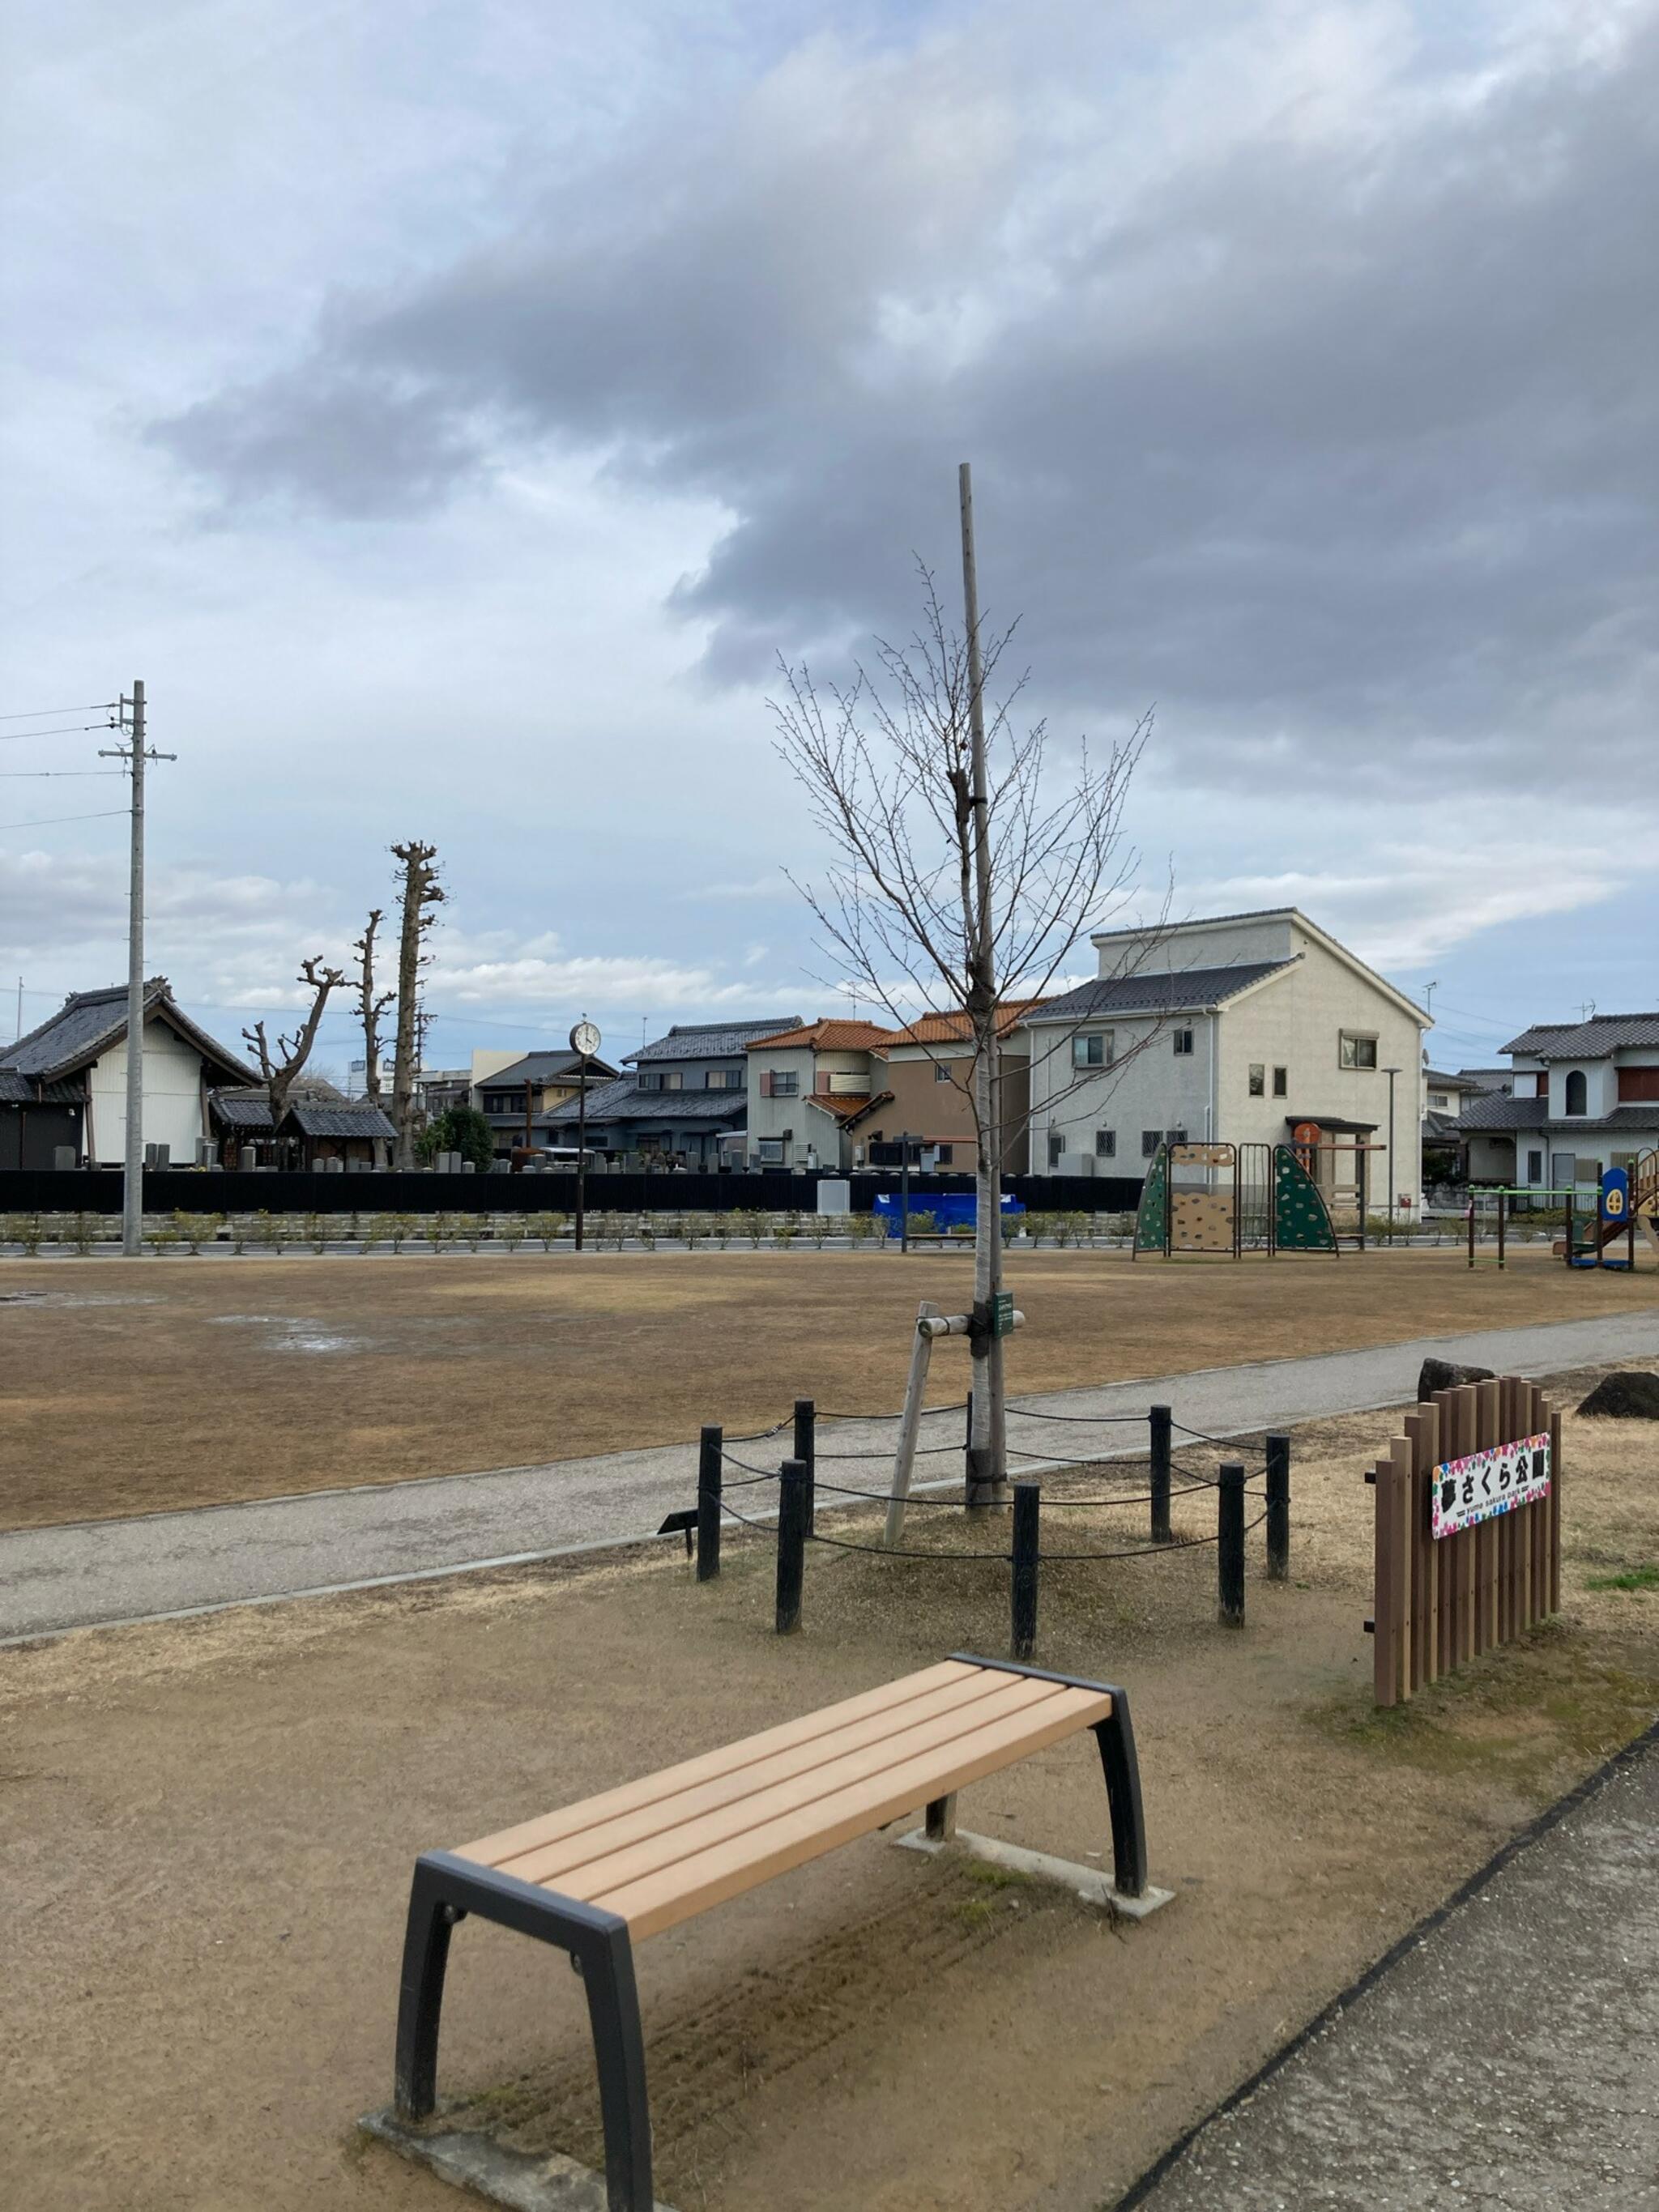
[1237, 1030]
[810, 1088]
[85, 1043]
[1583, 1096]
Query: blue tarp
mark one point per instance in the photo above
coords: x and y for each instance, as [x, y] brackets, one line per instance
[949, 1209]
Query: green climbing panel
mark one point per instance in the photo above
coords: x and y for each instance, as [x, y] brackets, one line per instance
[1301, 1223]
[1152, 1219]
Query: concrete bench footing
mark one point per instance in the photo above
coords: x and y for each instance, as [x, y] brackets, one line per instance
[473, 2160]
[1092, 1884]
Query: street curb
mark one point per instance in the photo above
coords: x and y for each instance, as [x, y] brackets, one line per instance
[1551, 1817]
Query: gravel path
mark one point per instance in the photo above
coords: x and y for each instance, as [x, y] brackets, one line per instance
[87, 1573]
[1508, 2060]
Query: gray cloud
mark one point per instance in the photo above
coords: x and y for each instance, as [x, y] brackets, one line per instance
[1325, 415]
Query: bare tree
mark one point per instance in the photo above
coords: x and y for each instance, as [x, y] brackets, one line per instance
[369, 1007]
[420, 894]
[280, 1067]
[962, 871]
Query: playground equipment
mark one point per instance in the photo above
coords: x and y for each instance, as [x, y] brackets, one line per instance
[1233, 1198]
[1629, 1198]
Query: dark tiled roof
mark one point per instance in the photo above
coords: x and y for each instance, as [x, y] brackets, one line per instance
[621, 1101]
[17, 1090]
[90, 1022]
[1442, 1129]
[1188, 990]
[1464, 1082]
[1495, 1114]
[545, 1067]
[712, 1040]
[1487, 1078]
[1591, 1040]
[240, 1109]
[313, 1120]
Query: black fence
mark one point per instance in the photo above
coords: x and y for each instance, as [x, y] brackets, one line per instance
[186, 1190]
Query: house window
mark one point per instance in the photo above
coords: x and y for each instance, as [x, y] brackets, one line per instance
[1281, 1083]
[1258, 1079]
[1534, 1167]
[941, 1072]
[722, 1078]
[1056, 1148]
[1439, 1101]
[1354, 1050]
[1105, 1143]
[1577, 1092]
[779, 1083]
[1149, 1141]
[1092, 1048]
[771, 1152]
[652, 1082]
[1183, 1043]
[943, 1155]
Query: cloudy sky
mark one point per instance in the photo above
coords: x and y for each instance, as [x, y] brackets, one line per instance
[452, 413]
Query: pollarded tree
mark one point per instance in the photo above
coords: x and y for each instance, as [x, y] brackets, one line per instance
[281, 1064]
[966, 864]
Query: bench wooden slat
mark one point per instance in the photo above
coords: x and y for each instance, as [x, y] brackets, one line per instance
[675, 1892]
[553, 1862]
[550, 1827]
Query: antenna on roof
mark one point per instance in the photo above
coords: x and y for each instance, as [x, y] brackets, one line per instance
[1587, 1010]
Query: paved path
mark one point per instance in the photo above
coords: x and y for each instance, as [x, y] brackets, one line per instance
[101, 1572]
[1509, 2060]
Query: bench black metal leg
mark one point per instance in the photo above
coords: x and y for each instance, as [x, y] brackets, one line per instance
[421, 1996]
[446, 1888]
[1116, 1739]
[613, 2009]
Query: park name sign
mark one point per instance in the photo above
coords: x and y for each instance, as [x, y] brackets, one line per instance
[1466, 1492]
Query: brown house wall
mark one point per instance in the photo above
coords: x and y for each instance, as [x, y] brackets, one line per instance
[941, 1111]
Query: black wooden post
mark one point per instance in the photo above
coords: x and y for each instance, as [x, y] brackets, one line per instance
[1503, 1216]
[711, 1452]
[1158, 1419]
[1278, 1508]
[806, 1453]
[968, 1448]
[1230, 1546]
[794, 1513]
[1023, 1586]
[1569, 1244]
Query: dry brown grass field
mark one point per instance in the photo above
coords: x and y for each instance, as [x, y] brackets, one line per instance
[137, 1386]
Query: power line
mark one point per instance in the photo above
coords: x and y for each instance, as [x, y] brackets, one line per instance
[16, 774]
[66, 730]
[44, 821]
[44, 714]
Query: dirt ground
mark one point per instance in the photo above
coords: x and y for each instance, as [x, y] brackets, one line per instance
[249, 1378]
[210, 1825]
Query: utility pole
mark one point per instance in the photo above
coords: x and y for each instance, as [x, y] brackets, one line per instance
[987, 1456]
[20, 1005]
[1390, 1072]
[134, 755]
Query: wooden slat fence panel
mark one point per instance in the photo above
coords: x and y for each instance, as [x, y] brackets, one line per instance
[1439, 1604]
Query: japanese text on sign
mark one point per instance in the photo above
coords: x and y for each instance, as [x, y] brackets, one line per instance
[1470, 1490]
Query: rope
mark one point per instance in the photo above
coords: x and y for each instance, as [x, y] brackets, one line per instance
[759, 1435]
[960, 1406]
[890, 1551]
[1223, 1444]
[875, 1451]
[760, 1473]
[1097, 1420]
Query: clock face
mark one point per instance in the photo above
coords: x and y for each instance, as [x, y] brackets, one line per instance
[585, 1039]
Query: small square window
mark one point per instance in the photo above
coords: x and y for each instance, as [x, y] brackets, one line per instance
[1281, 1083]
[1258, 1078]
[1356, 1051]
[941, 1072]
[1183, 1041]
[1056, 1148]
[1092, 1048]
[1105, 1143]
[1149, 1141]
[944, 1155]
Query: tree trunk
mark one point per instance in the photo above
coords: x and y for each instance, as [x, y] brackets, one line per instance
[420, 892]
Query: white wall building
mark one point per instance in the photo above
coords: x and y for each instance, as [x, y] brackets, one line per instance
[1584, 1096]
[86, 1041]
[1234, 1031]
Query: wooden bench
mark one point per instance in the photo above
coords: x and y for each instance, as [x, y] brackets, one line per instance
[597, 1877]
